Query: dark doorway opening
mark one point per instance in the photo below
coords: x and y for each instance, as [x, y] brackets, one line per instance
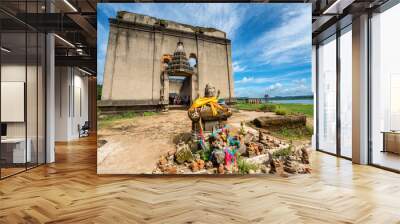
[180, 90]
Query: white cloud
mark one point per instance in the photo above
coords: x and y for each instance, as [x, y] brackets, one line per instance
[288, 42]
[275, 87]
[245, 80]
[270, 78]
[302, 81]
[297, 87]
[238, 68]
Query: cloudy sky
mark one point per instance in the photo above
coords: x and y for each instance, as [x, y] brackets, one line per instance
[271, 43]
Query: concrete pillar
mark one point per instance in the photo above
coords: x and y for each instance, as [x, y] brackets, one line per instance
[314, 90]
[360, 90]
[92, 105]
[50, 91]
[108, 74]
[50, 99]
[230, 72]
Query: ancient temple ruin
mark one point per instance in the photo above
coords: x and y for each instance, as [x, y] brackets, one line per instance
[153, 63]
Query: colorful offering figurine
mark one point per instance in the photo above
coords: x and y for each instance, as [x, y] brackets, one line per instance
[231, 157]
[231, 152]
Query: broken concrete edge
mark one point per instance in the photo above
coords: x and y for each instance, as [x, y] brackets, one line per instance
[171, 32]
[142, 19]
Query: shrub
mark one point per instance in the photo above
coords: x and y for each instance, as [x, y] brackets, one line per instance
[280, 112]
[285, 152]
[245, 167]
[268, 107]
[205, 154]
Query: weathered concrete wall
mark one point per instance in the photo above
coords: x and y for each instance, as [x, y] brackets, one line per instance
[129, 66]
[215, 68]
[133, 62]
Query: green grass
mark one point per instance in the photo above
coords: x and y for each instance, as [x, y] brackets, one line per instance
[281, 112]
[295, 108]
[107, 120]
[268, 107]
[245, 167]
[285, 152]
[149, 113]
[247, 106]
[293, 133]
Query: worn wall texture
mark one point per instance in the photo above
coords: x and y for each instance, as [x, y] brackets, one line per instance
[134, 65]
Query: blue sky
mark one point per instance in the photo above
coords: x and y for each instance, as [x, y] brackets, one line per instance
[271, 43]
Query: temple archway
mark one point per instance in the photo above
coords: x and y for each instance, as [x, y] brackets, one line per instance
[180, 82]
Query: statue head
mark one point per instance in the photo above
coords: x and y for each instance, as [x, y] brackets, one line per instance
[210, 91]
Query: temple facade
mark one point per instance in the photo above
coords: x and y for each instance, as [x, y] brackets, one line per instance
[153, 63]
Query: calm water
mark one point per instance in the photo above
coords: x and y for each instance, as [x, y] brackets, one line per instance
[304, 101]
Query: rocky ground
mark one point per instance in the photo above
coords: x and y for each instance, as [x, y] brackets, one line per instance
[141, 144]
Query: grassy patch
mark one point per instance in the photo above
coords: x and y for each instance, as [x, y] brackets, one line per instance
[281, 112]
[295, 108]
[268, 107]
[285, 152]
[149, 113]
[245, 167]
[107, 120]
[293, 133]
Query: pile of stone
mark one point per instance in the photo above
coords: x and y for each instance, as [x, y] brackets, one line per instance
[245, 153]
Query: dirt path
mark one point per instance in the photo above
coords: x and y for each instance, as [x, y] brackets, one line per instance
[135, 145]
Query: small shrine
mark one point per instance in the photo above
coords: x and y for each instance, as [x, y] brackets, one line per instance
[208, 113]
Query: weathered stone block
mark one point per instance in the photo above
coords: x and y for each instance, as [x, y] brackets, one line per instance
[278, 122]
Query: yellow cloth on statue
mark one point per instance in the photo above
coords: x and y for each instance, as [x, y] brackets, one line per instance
[211, 101]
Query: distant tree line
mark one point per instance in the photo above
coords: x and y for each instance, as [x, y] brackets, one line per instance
[291, 97]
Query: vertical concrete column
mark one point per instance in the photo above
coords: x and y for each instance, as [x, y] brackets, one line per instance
[360, 90]
[50, 98]
[314, 90]
[166, 87]
[92, 99]
[230, 71]
[108, 74]
[194, 87]
[201, 70]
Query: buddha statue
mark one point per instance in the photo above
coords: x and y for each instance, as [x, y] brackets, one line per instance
[208, 113]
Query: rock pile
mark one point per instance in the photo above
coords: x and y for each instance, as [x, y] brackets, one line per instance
[245, 153]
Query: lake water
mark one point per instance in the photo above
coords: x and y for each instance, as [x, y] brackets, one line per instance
[300, 101]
